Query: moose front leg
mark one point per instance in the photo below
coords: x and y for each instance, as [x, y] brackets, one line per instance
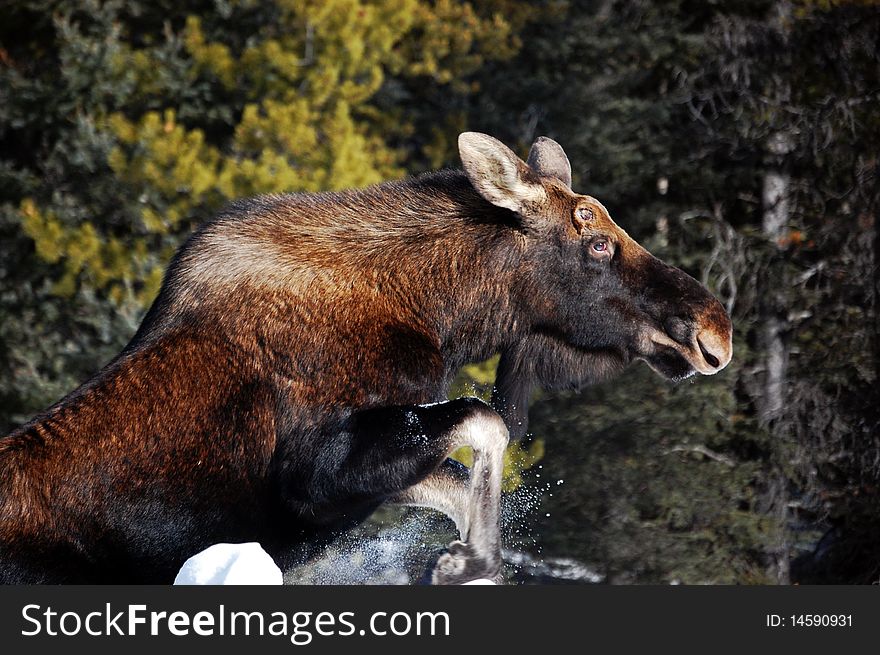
[471, 499]
[401, 454]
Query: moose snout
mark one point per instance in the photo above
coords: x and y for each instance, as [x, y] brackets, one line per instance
[715, 348]
[714, 333]
[706, 339]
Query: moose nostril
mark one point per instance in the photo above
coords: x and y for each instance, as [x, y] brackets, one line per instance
[711, 359]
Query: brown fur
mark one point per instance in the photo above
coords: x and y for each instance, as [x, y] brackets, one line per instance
[234, 411]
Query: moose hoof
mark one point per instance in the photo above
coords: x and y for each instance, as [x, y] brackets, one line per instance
[461, 563]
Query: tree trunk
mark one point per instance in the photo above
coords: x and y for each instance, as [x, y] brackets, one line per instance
[776, 206]
[775, 202]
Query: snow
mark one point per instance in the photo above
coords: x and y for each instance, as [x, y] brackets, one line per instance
[230, 564]
[244, 564]
[552, 568]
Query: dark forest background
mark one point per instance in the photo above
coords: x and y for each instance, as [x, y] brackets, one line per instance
[738, 140]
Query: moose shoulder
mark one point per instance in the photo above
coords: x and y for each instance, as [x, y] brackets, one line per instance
[292, 373]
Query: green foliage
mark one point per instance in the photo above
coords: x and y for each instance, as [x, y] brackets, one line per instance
[475, 379]
[659, 483]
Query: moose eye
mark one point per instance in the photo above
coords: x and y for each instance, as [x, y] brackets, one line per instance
[600, 246]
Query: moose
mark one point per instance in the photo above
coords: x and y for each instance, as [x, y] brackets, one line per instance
[292, 374]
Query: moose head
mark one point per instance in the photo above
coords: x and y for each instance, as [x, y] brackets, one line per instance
[595, 298]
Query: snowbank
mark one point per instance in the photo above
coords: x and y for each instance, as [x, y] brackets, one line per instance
[230, 564]
[239, 564]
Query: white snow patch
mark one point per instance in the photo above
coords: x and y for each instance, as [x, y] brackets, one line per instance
[557, 568]
[230, 564]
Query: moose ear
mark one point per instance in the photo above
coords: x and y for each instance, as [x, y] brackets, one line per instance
[548, 159]
[496, 173]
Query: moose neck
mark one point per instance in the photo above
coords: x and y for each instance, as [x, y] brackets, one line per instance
[466, 275]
